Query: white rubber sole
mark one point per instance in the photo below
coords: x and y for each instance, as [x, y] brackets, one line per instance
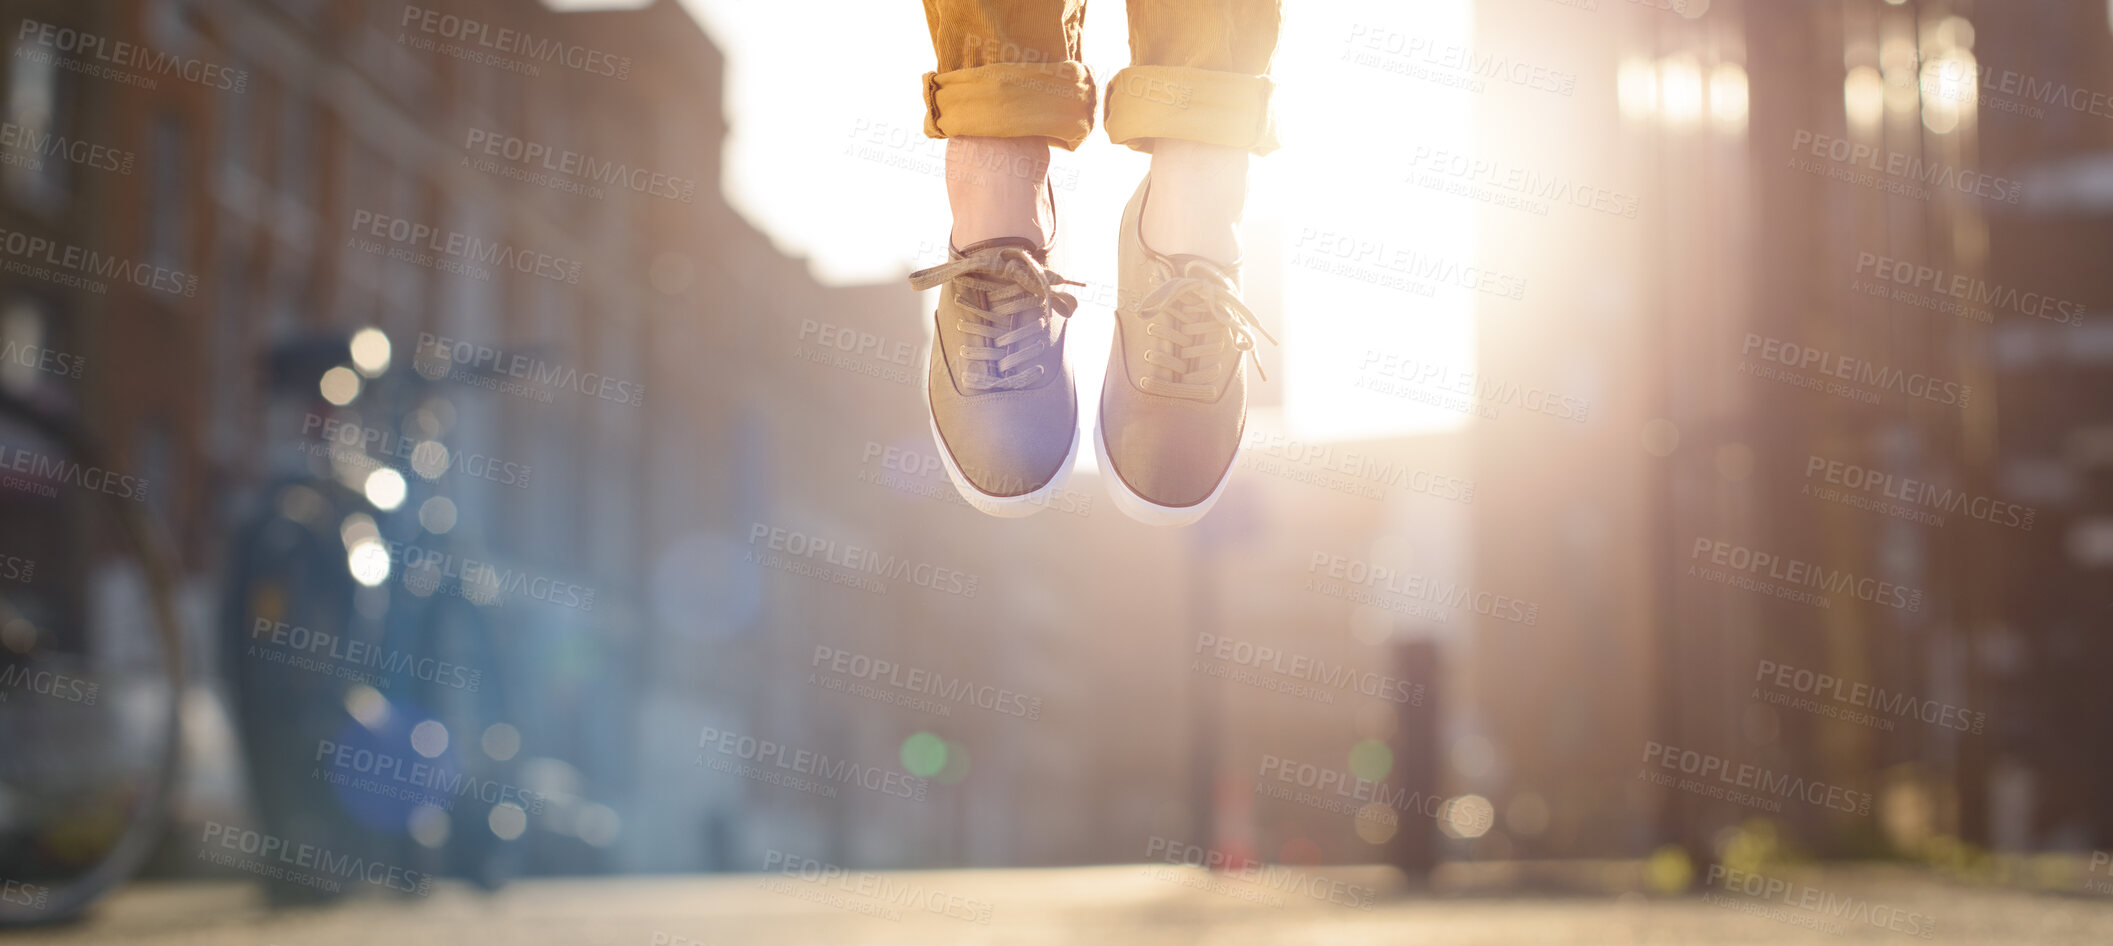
[1144, 510]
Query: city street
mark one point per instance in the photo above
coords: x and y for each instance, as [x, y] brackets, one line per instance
[682, 472]
[1102, 905]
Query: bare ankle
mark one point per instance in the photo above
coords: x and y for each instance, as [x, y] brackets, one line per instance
[997, 187]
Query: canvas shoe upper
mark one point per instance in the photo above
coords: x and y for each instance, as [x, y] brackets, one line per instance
[1174, 401]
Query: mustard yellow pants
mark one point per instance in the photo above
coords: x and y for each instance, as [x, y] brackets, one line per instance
[1199, 70]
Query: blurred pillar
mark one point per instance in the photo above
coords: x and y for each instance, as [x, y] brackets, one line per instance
[1205, 704]
[1414, 848]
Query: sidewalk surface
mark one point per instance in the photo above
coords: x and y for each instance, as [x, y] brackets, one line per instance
[1105, 906]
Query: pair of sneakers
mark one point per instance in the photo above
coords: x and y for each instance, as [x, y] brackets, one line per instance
[1173, 408]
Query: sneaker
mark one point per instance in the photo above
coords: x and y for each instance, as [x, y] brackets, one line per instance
[1174, 404]
[1003, 409]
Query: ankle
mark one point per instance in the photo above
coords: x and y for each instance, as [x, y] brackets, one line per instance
[1199, 192]
[997, 187]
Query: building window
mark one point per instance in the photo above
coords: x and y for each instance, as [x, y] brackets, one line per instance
[34, 179]
[28, 356]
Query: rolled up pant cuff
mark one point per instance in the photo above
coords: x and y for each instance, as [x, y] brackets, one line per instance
[1011, 100]
[1220, 108]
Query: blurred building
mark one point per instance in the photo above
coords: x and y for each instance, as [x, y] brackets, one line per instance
[2050, 125]
[1857, 319]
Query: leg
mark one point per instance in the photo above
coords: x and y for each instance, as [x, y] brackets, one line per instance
[1199, 191]
[997, 187]
[1174, 400]
[1004, 409]
[1009, 84]
[1197, 98]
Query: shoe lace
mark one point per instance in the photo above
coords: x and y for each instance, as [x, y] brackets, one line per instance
[1014, 284]
[1196, 315]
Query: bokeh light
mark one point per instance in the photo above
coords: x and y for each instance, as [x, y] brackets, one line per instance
[1371, 760]
[923, 754]
[368, 560]
[429, 738]
[385, 488]
[340, 385]
[370, 351]
[437, 514]
[507, 820]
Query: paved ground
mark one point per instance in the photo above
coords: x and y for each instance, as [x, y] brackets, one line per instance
[1105, 906]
